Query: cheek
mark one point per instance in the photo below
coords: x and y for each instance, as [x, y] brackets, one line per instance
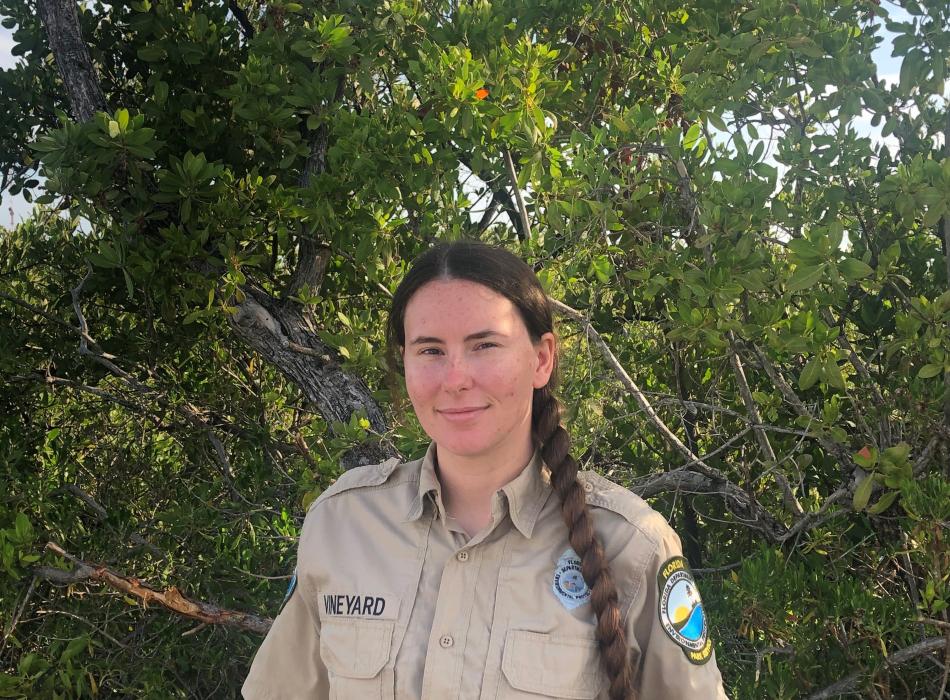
[511, 379]
[419, 380]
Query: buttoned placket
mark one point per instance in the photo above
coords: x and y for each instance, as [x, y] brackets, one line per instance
[459, 582]
[463, 573]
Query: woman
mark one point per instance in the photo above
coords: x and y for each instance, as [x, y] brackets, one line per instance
[490, 568]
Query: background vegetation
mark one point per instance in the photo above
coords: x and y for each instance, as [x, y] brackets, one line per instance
[755, 328]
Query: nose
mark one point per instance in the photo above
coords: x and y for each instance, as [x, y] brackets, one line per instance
[458, 375]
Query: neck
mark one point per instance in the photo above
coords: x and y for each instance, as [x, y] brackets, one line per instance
[469, 482]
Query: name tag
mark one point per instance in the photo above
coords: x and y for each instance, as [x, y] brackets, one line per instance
[365, 605]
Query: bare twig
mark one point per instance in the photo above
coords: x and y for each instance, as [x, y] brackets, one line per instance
[102, 515]
[171, 598]
[89, 348]
[74, 616]
[18, 614]
[38, 311]
[924, 460]
[754, 514]
[788, 496]
[902, 656]
[513, 176]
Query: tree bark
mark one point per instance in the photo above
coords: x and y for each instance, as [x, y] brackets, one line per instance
[276, 329]
[64, 33]
[279, 331]
[171, 598]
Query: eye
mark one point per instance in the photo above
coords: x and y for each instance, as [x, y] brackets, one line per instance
[426, 351]
[486, 344]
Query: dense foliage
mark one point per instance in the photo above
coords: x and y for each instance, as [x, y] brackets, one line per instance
[695, 179]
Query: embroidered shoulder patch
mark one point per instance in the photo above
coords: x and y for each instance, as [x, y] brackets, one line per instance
[569, 584]
[291, 587]
[681, 611]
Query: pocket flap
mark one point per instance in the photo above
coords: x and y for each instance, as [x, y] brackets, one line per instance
[553, 665]
[355, 648]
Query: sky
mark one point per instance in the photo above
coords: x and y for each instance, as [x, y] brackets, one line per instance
[15, 209]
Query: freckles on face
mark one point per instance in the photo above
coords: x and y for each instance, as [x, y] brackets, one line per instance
[469, 364]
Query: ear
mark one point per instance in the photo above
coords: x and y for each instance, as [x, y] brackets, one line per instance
[545, 352]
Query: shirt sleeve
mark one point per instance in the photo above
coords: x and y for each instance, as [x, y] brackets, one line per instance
[287, 665]
[667, 623]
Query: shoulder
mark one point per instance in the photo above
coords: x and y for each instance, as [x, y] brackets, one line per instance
[368, 477]
[626, 509]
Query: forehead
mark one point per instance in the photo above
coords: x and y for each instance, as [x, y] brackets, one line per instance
[458, 306]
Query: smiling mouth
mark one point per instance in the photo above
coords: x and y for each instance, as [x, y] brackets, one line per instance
[460, 413]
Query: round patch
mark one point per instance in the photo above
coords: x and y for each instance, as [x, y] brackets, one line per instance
[569, 584]
[681, 610]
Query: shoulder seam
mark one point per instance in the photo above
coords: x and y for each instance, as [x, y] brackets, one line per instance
[598, 497]
[378, 476]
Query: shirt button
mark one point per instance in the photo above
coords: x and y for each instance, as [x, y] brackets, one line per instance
[462, 556]
[446, 641]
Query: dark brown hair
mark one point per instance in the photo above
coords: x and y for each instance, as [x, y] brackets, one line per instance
[508, 275]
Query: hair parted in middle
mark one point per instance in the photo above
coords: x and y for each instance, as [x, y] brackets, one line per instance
[506, 274]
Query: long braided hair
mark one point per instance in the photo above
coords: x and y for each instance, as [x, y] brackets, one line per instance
[508, 275]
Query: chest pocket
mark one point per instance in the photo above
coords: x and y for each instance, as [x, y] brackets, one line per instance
[355, 652]
[550, 666]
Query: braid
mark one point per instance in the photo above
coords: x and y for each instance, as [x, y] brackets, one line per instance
[555, 445]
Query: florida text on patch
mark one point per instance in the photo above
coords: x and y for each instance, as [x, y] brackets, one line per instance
[681, 610]
[569, 585]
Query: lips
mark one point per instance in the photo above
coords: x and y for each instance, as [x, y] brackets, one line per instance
[461, 414]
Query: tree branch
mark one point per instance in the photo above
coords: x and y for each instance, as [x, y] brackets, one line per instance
[102, 516]
[170, 599]
[788, 496]
[64, 33]
[313, 256]
[898, 658]
[752, 513]
[241, 16]
[839, 451]
[513, 177]
[691, 205]
[279, 332]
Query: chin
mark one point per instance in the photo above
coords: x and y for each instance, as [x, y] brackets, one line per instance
[463, 445]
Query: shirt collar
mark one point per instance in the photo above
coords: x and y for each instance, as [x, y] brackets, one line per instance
[525, 495]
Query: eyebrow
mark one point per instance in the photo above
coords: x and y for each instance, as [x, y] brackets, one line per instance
[472, 336]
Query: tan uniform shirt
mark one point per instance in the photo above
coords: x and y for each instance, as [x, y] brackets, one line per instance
[394, 602]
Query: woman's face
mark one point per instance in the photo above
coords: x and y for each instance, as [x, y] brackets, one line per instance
[471, 367]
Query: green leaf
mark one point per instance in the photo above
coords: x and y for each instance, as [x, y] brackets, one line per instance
[75, 647]
[716, 121]
[863, 493]
[809, 375]
[897, 453]
[113, 128]
[884, 502]
[831, 373]
[804, 250]
[161, 92]
[912, 69]
[854, 269]
[805, 277]
[24, 531]
[692, 136]
[929, 370]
